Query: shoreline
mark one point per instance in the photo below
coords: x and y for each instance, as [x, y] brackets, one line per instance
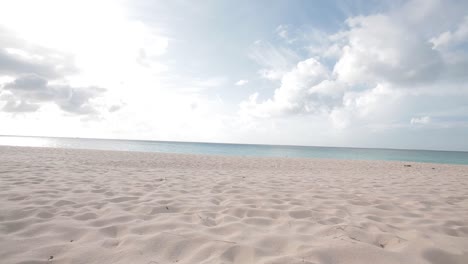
[241, 144]
[61, 205]
[235, 156]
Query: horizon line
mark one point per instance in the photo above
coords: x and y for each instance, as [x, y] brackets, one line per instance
[232, 143]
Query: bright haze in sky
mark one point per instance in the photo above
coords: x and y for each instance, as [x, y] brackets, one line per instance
[330, 73]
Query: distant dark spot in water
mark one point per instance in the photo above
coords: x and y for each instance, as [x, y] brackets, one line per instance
[51, 258]
[167, 208]
[433, 168]
[71, 240]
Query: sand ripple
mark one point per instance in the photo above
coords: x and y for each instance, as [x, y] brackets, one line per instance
[82, 206]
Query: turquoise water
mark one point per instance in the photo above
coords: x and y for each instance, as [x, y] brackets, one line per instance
[451, 157]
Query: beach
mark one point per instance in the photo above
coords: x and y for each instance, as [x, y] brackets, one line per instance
[90, 206]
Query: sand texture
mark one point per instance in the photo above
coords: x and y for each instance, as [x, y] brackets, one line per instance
[84, 206]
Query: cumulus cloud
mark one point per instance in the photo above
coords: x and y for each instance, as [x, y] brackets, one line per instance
[385, 65]
[29, 92]
[115, 108]
[17, 61]
[14, 106]
[18, 56]
[374, 105]
[293, 96]
[32, 69]
[380, 49]
[76, 56]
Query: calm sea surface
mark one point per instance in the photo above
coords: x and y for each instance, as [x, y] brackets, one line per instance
[452, 157]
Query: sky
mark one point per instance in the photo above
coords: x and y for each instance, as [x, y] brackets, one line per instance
[384, 74]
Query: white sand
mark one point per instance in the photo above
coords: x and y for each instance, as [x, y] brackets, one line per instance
[82, 206]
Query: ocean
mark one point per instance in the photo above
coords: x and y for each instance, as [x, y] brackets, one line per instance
[449, 157]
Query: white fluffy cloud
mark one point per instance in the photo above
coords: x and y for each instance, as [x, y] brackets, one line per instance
[387, 67]
[293, 96]
[380, 49]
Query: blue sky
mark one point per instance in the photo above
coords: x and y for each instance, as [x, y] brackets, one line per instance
[330, 73]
